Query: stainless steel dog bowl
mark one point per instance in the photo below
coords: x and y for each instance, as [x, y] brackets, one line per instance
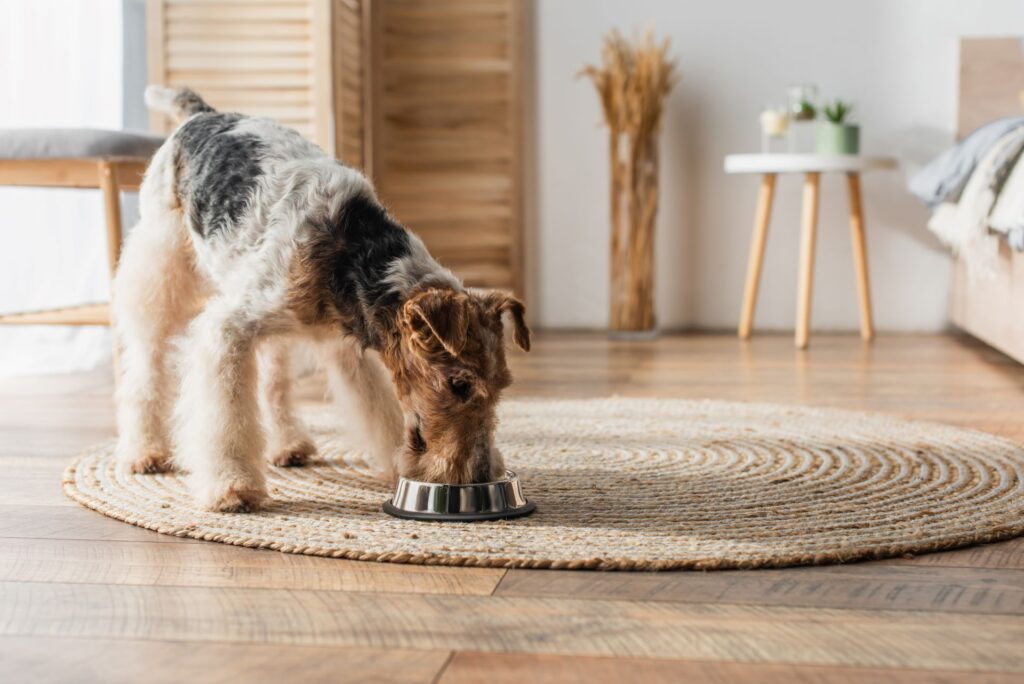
[459, 503]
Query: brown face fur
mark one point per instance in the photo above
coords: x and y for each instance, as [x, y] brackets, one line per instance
[449, 367]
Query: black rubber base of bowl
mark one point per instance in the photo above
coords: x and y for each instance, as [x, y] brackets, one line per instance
[390, 509]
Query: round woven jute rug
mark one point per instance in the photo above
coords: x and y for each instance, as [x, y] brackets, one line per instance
[630, 484]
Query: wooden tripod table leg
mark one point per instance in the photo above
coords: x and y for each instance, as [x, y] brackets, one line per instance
[761, 218]
[860, 255]
[808, 234]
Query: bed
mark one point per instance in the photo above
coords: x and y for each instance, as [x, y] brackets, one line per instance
[989, 305]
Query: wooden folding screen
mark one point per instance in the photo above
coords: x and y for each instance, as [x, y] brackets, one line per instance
[350, 47]
[447, 83]
[297, 61]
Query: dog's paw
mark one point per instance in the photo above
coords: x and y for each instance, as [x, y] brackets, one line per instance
[294, 455]
[237, 498]
[146, 463]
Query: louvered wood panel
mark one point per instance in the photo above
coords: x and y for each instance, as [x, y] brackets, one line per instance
[299, 62]
[350, 47]
[446, 129]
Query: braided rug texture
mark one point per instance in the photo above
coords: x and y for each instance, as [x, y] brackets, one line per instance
[631, 484]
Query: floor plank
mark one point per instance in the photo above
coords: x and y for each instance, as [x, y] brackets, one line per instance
[863, 586]
[45, 660]
[1006, 555]
[512, 625]
[34, 487]
[47, 445]
[73, 522]
[503, 668]
[221, 565]
[951, 379]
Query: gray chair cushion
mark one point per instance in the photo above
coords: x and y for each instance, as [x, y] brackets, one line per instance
[75, 143]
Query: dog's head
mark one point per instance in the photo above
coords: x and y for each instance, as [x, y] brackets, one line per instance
[449, 371]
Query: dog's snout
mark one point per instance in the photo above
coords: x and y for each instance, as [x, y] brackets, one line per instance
[482, 472]
[490, 465]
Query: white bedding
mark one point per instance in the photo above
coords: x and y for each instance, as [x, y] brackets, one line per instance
[993, 198]
[1007, 216]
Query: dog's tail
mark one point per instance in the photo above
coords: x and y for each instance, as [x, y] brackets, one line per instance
[179, 103]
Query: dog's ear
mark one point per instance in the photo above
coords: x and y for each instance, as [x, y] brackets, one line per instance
[439, 315]
[502, 302]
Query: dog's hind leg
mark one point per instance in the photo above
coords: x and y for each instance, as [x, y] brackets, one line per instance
[219, 439]
[155, 293]
[288, 442]
[362, 386]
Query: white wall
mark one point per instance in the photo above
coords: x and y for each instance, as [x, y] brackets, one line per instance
[60, 66]
[896, 59]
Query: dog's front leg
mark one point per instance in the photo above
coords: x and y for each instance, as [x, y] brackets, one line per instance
[288, 442]
[219, 437]
[362, 385]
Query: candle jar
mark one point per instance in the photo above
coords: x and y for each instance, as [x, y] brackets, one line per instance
[774, 124]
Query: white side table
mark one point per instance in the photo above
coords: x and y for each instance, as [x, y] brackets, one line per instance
[812, 166]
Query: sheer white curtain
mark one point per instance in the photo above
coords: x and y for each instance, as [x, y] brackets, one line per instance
[61, 65]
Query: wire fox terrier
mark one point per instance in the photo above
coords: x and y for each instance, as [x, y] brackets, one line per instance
[250, 235]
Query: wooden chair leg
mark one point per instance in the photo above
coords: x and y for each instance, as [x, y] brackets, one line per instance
[111, 191]
[762, 216]
[860, 255]
[808, 234]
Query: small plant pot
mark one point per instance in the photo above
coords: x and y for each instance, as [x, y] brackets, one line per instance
[835, 138]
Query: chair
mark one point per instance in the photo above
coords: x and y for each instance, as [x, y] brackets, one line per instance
[111, 161]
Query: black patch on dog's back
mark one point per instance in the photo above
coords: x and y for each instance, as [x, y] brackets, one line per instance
[217, 170]
[352, 252]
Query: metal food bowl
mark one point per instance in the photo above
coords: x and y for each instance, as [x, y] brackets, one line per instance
[459, 503]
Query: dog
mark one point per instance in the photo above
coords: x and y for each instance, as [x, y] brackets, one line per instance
[249, 236]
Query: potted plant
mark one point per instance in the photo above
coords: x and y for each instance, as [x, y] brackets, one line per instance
[835, 135]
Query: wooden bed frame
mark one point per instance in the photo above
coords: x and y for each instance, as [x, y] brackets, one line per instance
[991, 86]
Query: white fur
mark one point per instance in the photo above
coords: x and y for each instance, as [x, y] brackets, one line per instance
[362, 386]
[288, 441]
[225, 301]
[155, 296]
[160, 99]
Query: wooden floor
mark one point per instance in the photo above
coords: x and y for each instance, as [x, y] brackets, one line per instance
[84, 598]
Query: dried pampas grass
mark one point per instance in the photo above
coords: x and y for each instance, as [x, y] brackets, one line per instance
[632, 81]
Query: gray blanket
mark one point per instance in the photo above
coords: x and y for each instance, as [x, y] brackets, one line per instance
[944, 178]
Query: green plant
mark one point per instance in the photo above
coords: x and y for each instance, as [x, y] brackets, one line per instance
[805, 111]
[838, 111]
